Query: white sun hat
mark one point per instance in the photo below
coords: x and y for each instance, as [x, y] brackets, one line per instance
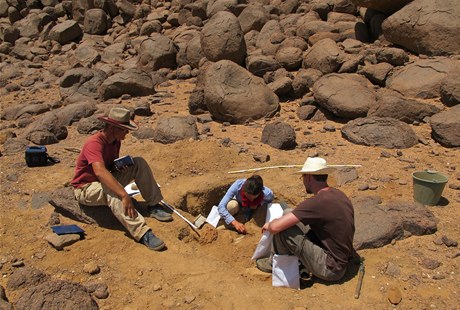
[316, 165]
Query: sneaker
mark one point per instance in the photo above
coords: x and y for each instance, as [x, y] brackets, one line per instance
[159, 213]
[152, 242]
[264, 264]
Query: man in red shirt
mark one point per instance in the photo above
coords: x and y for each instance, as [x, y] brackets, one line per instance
[319, 231]
[97, 182]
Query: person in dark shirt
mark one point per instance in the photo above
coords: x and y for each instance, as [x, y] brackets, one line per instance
[319, 231]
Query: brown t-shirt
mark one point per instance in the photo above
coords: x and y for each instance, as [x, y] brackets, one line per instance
[330, 216]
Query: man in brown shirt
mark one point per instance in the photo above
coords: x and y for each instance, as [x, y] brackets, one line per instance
[319, 231]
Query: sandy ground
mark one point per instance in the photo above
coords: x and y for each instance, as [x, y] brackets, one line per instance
[219, 274]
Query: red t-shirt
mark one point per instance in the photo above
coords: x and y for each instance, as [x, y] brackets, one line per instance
[330, 216]
[95, 149]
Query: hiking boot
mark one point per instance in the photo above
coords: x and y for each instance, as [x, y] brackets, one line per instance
[264, 264]
[152, 242]
[157, 211]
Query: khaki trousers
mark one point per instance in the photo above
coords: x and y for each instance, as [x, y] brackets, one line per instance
[97, 194]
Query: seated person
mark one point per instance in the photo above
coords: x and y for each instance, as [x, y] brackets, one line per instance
[247, 194]
[96, 182]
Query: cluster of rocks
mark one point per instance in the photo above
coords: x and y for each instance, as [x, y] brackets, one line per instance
[357, 61]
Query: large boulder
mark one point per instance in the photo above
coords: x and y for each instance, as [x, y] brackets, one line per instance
[445, 127]
[265, 40]
[96, 22]
[422, 78]
[65, 32]
[222, 38]
[379, 224]
[380, 131]
[279, 135]
[158, 51]
[81, 81]
[253, 17]
[130, 81]
[426, 27]
[324, 56]
[232, 94]
[46, 130]
[450, 88]
[345, 95]
[385, 6]
[175, 128]
[393, 104]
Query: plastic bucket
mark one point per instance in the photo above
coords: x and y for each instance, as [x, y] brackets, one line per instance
[428, 186]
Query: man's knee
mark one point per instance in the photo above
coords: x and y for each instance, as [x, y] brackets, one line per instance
[140, 162]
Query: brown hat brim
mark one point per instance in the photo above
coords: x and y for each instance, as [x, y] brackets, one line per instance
[131, 126]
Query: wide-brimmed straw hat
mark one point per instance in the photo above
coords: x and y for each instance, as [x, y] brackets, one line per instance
[316, 165]
[119, 117]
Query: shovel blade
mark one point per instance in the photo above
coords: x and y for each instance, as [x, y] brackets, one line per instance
[199, 221]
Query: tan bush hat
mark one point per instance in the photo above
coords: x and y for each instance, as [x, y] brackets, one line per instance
[316, 165]
[119, 117]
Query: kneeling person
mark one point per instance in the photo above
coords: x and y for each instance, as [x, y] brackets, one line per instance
[246, 194]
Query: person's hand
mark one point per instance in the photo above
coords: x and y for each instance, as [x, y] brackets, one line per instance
[128, 205]
[239, 227]
[265, 227]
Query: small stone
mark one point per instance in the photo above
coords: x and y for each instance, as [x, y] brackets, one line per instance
[430, 263]
[39, 255]
[91, 268]
[54, 219]
[101, 293]
[18, 263]
[157, 288]
[262, 158]
[329, 128]
[394, 295]
[363, 187]
[448, 242]
[393, 269]
[189, 299]
[438, 276]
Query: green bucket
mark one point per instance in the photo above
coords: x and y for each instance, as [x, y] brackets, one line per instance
[428, 186]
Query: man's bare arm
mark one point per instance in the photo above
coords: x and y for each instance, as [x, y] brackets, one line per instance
[284, 222]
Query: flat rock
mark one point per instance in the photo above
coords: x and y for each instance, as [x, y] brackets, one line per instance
[61, 241]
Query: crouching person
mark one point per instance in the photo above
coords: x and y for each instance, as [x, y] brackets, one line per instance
[244, 195]
[96, 182]
[319, 231]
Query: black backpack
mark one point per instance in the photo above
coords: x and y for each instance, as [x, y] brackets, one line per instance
[36, 156]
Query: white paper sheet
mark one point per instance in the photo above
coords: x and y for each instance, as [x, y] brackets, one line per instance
[213, 217]
[129, 189]
[274, 211]
[286, 271]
